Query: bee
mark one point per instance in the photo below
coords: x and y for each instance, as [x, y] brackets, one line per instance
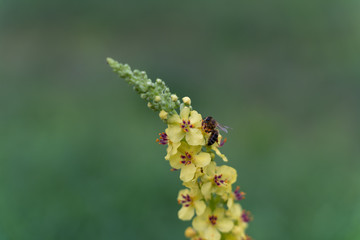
[210, 125]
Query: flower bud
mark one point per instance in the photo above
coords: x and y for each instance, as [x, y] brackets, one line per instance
[163, 115]
[190, 232]
[187, 100]
[149, 105]
[174, 98]
[157, 99]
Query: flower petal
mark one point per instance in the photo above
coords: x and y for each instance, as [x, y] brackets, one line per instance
[224, 224]
[206, 190]
[174, 161]
[202, 159]
[195, 137]
[175, 133]
[184, 114]
[187, 172]
[212, 233]
[217, 151]
[172, 149]
[195, 118]
[186, 213]
[199, 223]
[200, 207]
[174, 119]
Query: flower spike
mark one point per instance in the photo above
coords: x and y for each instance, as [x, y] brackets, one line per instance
[192, 146]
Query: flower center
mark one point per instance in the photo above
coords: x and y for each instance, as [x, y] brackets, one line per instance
[239, 195]
[185, 125]
[219, 180]
[186, 158]
[163, 139]
[213, 219]
[186, 200]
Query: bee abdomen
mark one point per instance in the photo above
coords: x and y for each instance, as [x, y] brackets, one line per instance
[213, 137]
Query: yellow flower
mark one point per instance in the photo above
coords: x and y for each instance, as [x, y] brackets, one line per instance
[187, 125]
[191, 201]
[188, 158]
[218, 180]
[172, 147]
[211, 223]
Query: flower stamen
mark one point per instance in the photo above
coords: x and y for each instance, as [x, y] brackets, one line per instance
[246, 216]
[187, 201]
[163, 139]
[218, 181]
[186, 159]
[213, 219]
[239, 195]
[185, 125]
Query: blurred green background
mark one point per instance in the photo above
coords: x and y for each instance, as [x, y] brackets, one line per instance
[78, 157]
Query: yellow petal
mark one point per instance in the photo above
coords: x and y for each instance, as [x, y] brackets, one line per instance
[195, 137]
[174, 119]
[199, 223]
[200, 207]
[202, 159]
[172, 148]
[195, 118]
[217, 151]
[212, 233]
[224, 224]
[219, 212]
[186, 213]
[175, 161]
[184, 114]
[235, 211]
[206, 190]
[187, 172]
[175, 133]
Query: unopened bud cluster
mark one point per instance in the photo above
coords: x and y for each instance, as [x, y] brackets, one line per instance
[157, 94]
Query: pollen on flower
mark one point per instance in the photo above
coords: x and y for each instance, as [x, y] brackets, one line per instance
[246, 216]
[163, 139]
[186, 159]
[219, 181]
[239, 195]
[213, 219]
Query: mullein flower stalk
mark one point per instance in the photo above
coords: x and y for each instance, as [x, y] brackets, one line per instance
[208, 198]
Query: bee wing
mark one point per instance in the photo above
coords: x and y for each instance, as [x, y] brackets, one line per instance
[223, 128]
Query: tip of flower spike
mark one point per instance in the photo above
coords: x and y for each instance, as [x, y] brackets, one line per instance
[110, 60]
